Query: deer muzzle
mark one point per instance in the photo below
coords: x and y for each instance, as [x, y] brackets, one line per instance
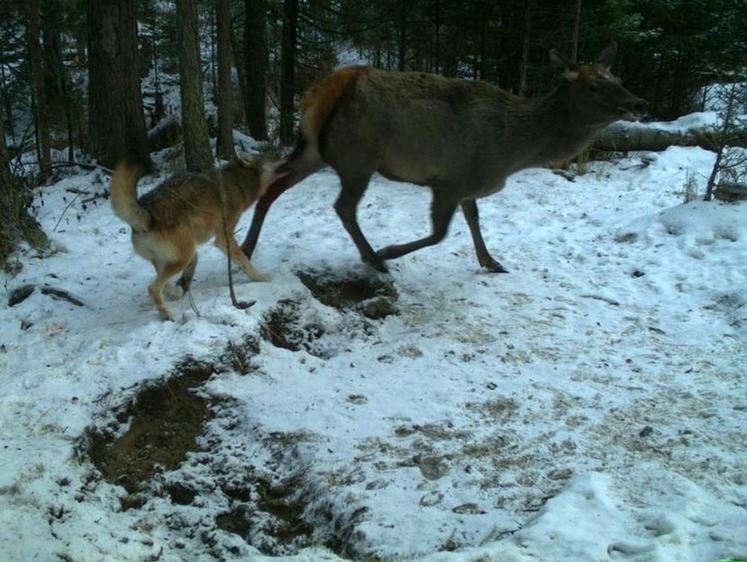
[633, 111]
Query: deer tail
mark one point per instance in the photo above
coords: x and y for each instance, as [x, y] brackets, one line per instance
[318, 105]
[124, 197]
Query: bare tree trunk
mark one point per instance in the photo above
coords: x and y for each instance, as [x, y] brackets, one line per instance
[60, 98]
[16, 223]
[576, 27]
[224, 143]
[402, 43]
[116, 119]
[43, 142]
[524, 61]
[287, 69]
[236, 48]
[255, 59]
[197, 152]
[437, 36]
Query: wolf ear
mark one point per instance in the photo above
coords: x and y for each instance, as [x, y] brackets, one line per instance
[564, 65]
[607, 57]
[247, 159]
[273, 171]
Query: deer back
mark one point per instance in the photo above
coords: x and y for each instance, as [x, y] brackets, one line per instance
[467, 135]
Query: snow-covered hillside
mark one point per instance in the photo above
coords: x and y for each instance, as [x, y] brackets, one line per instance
[589, 405]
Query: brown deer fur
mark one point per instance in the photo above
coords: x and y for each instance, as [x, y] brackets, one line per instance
[460, 138]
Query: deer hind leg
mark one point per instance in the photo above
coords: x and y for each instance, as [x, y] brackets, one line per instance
[469, 208]
[442, 210]
[185, 281]
[260, 211]
[303, 161]
[230, 245]
[346, 207]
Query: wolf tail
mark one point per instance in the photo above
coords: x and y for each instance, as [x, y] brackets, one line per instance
[123, 194]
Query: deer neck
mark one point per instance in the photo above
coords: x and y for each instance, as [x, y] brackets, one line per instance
[561, 133]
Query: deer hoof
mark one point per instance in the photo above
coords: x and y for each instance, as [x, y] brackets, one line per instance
[378, 264]
[494, 267]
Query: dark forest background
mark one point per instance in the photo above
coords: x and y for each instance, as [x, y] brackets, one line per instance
[90, 81]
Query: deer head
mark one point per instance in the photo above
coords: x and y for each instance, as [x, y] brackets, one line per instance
[595, 95]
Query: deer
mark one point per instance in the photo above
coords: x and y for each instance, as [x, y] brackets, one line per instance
[461, 138]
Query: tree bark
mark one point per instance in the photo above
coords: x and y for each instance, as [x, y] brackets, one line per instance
[576, 28]
[16, 224]
[224, 144]
[402, 42]
[61, 103]
[255, 61]
[524, 61]
[116, 119]
[197, 152]
[43, 142]
[288, 69]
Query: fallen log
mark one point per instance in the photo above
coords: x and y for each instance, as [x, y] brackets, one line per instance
[698, 129]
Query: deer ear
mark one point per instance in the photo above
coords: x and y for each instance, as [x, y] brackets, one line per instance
[607, 57]
[564, 65]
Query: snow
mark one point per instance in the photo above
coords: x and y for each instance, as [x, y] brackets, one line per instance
[589, 405]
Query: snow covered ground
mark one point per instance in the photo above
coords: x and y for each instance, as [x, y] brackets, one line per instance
[589, 405]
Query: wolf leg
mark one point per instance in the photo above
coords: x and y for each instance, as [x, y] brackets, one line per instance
[238, 255]
[164, 272]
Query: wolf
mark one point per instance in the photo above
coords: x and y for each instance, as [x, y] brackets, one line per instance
[186, 210]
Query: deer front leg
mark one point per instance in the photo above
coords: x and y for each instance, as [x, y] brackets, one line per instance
[471, 215]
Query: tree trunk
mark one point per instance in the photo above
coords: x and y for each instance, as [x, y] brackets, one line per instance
[116, 120]
[16, 223]
[255, 60]
[43, 142]
[524, 62]
[197, 152]
[60, 98]
[436, 36]
[402, 43]
[236, 48]
[288, 68]
[576, 27]
[224, 143]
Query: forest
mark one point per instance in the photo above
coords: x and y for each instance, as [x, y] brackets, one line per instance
[583, 399]
[88, 82]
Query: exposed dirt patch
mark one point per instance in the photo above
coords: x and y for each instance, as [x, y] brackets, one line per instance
[284, 506]
[164, 419]
[283, 327]
[229, 485]
[373, 296]
[297, 325]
